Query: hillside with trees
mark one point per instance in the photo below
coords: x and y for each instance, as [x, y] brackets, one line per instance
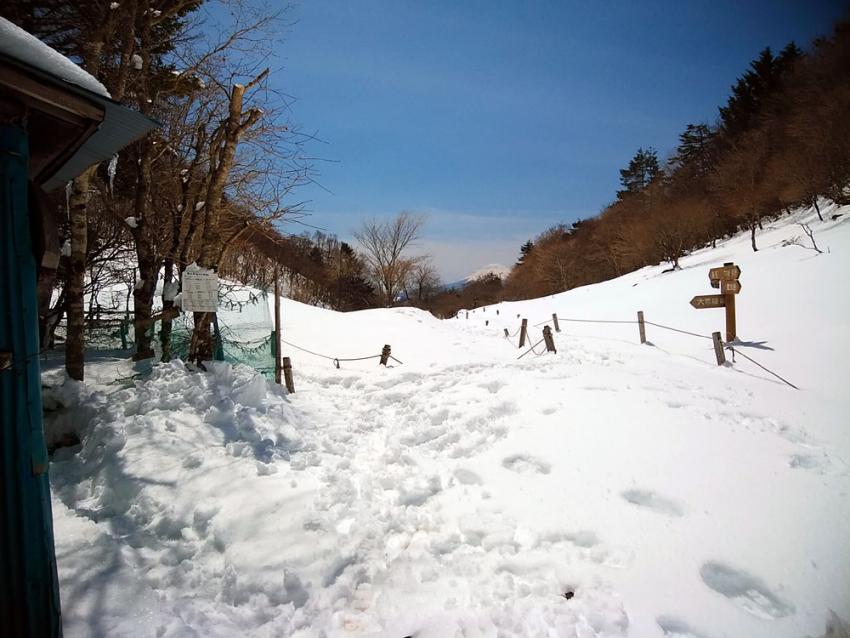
[779, 142]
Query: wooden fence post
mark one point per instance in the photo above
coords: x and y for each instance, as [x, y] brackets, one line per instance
[523, 330]
[549, 339]
[555, 321]
[731, 328]
[718, 348]
[641, 327]
[385, 355]
[277, 369]
[287, 374]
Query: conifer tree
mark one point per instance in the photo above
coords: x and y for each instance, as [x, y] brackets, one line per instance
[642, 170]
[696, 149]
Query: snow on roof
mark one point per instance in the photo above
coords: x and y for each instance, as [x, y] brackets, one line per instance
[20, 45]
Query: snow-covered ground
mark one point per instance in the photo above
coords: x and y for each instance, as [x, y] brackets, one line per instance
[612, 489]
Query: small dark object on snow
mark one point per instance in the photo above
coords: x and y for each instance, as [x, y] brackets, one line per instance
[568, 594]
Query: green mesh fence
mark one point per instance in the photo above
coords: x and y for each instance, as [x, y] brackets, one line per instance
[244, 334]
[244, 331]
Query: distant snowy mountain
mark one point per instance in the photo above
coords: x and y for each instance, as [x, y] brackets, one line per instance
[495, 269]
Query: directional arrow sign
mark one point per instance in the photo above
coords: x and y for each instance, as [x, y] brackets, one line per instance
[730, 287]
[708, 301]
[726, 273]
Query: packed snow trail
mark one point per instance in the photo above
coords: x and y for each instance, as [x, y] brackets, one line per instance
[612, 489]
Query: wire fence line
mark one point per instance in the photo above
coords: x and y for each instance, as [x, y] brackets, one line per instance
[531, 349]
[727, 346]
[537, 325]
[336, 360]
[684, 332]
[731, 347]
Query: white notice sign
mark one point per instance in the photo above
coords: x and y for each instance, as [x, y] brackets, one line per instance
[200, 290]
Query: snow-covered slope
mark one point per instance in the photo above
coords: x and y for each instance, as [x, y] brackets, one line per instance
[612, 489]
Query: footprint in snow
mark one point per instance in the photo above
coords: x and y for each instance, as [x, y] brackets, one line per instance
[467, 477]
[653, 501]
[805, 461]
[526, 464]
[745, 590]
[677, 628]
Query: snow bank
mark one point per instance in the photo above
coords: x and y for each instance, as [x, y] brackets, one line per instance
[17, 43]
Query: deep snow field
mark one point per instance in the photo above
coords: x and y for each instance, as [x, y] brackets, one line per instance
[611, 489]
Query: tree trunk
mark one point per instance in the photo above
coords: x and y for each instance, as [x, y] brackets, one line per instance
[167, 304]
[143, 303]
[148, 263]
[75, 343]
[201, 348]
[222, 161]
[753, 236]
[49, 322]
[817, 208]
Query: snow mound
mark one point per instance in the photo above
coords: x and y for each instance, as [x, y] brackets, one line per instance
[20, 45]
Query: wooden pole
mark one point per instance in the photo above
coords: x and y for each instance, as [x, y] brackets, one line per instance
[385, 355]
[287, 374]
[641, 327]
[522, 332]
[718, 348]
[548, 339]
[277, 369]
[731, 328]
[555, 321]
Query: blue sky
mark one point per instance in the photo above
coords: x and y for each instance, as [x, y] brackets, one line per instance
[499, 119]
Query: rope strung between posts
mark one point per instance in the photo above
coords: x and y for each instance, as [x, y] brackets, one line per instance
[785, 381]
[627, 321]
[531, 349]
[537, 325]
[684, 332]
[663, 327]
[336, 360]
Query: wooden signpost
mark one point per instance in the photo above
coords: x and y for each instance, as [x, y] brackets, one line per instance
[724, 277]
[708, 301]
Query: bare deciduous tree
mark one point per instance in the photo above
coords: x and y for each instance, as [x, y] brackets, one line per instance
[383, 244]
[423, 281]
